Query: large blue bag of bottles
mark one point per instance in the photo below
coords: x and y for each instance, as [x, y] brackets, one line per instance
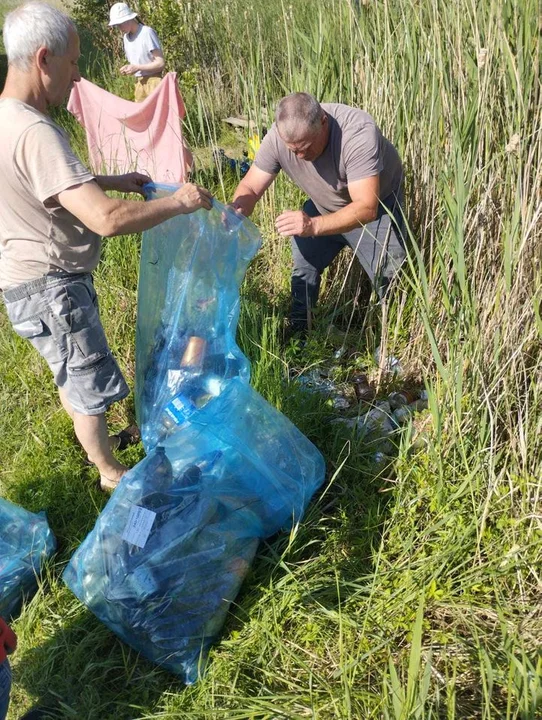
[223, 470]
[26, 541]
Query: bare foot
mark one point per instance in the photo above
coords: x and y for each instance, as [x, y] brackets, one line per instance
[110, 481]
[111, 474]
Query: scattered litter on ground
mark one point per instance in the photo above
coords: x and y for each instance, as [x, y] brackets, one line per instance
[379, 423]
[317, 380]
[391, 364]
[404, 413]
[240, 167]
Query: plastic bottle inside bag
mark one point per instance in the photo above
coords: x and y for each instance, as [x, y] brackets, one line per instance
[198, 386]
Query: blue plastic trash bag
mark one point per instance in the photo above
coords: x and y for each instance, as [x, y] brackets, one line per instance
[188, 310]
[224, 468]
[25, 542]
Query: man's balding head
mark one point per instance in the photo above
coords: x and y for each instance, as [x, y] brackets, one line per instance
[303, 125]
[298, 116]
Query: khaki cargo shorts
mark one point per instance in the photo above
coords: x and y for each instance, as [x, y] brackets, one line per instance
[59, 315]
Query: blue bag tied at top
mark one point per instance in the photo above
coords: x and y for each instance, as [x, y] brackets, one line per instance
[26, 541]
[223, 470]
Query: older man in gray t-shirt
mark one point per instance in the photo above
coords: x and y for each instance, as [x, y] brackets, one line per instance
[353, 176]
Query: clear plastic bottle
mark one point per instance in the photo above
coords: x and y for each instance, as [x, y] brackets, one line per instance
[197, 387]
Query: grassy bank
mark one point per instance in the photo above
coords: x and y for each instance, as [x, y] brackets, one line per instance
[412, 592]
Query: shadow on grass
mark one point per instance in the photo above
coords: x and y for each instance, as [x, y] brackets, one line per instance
[83, 671]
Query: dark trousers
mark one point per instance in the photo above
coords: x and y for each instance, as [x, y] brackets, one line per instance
[5, 688]
[378, 245]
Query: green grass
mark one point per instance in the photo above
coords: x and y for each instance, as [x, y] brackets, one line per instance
[407, 592]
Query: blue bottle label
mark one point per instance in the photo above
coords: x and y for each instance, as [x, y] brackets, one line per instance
[180, 408]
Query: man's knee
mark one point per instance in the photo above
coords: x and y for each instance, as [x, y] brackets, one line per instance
[304, 259]
[304, 268]
[389, 270]
[394, 259]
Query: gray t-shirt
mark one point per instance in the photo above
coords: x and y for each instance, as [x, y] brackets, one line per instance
[356, 149]
[138, 48]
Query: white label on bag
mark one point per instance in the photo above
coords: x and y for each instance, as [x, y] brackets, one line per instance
[139, 526]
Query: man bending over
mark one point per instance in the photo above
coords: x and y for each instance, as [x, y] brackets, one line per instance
[354, 179]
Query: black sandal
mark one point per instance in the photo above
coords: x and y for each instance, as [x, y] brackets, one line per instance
[128, 436]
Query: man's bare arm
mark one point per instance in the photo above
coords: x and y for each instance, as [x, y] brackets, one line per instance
[112, 216]
[250, 190]
[362, 210]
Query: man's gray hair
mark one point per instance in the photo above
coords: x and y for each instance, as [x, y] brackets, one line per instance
[297, 116]
[35, 25]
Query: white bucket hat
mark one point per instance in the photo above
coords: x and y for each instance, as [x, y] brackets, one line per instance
[121, 12]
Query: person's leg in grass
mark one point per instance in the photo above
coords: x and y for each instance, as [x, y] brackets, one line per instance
[60, 317]
[311, 256]
[88, 376]
[5, 688]
[379, 245]
[90, 431]
[380, 249]
[118, 441]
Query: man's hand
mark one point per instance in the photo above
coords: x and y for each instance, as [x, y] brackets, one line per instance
[129, 69]
[193, 197]
[233, 211]
[294, 222]
[128, 183]
[232, 217]
[235, 207]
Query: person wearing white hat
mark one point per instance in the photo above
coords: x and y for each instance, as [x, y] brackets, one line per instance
[142, 48]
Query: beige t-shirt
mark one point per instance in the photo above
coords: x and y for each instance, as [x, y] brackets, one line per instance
[37, 235]
[356, 149]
